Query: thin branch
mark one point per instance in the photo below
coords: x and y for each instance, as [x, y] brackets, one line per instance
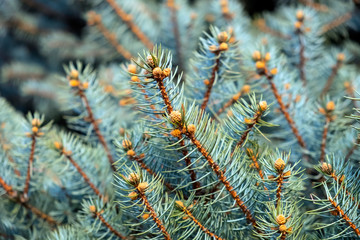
[336, 22]
[95, 19]
[261, 24]
[331, 78]
[222, 178]
[29, 168]
[353, 148]
[107, 225]
[154, 216]
[211, 81]
[344, 216]
[285, 112]
[280, 182]
[302, 59]
[323, 139]
[127, 18]
[6, 148]
[198, 223]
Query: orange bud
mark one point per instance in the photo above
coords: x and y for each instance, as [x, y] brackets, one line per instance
[191, 128]
[74, 83]
[133, 195]
[260, 65]
[279, 164]
[273, 71]
[263, 105]
[126, 144]
[246, 88]
[74, 74]
[223, 47]
[131, 153]
[298, 25]
[145, 216]
[330, 106]
[57, 145]
[175, 116]
[92, 209]
[85, 85]
[256, 56]
[267, 57]
[282, 228]
[222, 37]
[35, 129]
[300, 15]
[341, 57]
[176, 133]
[142, 187]
[280, 219]
[157, 72]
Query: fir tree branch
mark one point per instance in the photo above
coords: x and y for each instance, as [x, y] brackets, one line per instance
[285, 112]
[67, 154]
[336, 22]
[98, 215]
[172, 7]
[333, 74]
[254, 159]
[352, 149]
[323, 139]
[222, 178]
[197, 222]
[261, 24]
[317, 6]
[154, 215]
[95, 19]
[245, 89]
[29, 168]
[127, 18]
[13, 195]
[224, 4]
[302, 59]
[6, 148]
[211, 81]
[344, 216]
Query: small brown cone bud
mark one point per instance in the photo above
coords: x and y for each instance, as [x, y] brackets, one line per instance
[143, 186]
[132, 68]
[131, 153]
[92, 209]
[282, 228]
[273, 71]
[330, 106]
[157, 72]
[297, 25]
[222, 37]
[267, 57]
[223, 46]
[35, 122]
[341, 57]
[263, 105]
[326, 168]
[212, 48]
[191, 128]
[236, 96]
[287, 174]
[175, 116]
[74, 74]
[150, 60]
[246, 88]
[57, 145]
[74, 83]
[300, 15]
[248, 121]
[133, 195]
[279, 165]
[167, 72]
[176, 133]
[206, 81]
[180, 204]
[280, 219]
[322, 110]
[35, 129]
[127, 144]
[133, 178]
[145, 216]
[260, 65]
[256, 56]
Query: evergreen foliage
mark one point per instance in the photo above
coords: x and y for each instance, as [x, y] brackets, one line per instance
[185, 121]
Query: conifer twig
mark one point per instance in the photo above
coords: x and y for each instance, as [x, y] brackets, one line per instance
[233, 99]
[211, 81]
[352, 149]
[6, 150]
[127, 18]
[261, 24]
[302, 60]
[95, 19]
[323, 139]
[154, 216]
[97, 214]
[13, 195]
[336, 22]
[172, 7]
[197, 222]
[30, 163]
[333, 74]
[344, 216]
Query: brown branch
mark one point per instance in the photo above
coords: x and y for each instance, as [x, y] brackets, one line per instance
[13, 195]
[30, 163]
[164, 95]
[316, 6]
[285, 112]
[83, 174]
[302, 59]
[211, 81]
[95, 19]
[250, 126]
[261, 24]
[202, 227]
[340, 180]
[323, 140]
[351, 151]
[154, 216]
[331, 78]
[344, 216]
[127, 18]
[336, 22]
[108, 226]
[196, 184]
[6, 150]
[245, 89]
[95, 125]
[139, 160]
[172, 7]
[222, 178]
[280, 182]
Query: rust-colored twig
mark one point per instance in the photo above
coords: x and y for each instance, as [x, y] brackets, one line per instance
[222, 178]
[171, 5]
[95, 19]
[280, 182]
[344, 216]
[249, 127]
[202, 227]
[302, 59]
[261, 24]
[83, 175]
[285, 112]
[30, 163]
[127, 18]
[336, 22]
[108, 226]
[139, 160]
[95, 125]
[154, 216]
[331, 78]
[245, 89]
[317, 6]
[13, 195]
[323, 139]
[352, 149]
[211, 81]
[196, 184]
